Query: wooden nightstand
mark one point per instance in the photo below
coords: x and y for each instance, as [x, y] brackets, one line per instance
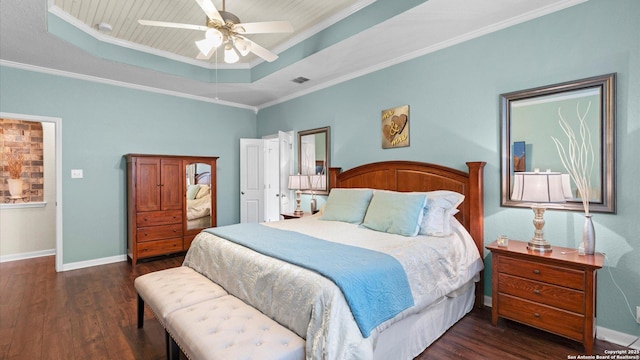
[288, 216]
[553, 291]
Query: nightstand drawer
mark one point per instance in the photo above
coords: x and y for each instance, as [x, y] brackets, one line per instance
[159, 232]
[542, 272]
[560, 297]
[544, 317]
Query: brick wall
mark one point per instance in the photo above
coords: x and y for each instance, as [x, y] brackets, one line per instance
[23, 137]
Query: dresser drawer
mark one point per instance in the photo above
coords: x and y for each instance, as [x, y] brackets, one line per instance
[553, 295]
[159, 232]
[544, 317]
[152, 218]
[571, 278]
[159, 247]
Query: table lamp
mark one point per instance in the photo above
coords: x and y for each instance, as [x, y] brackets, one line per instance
[540, 188]
[297, 183]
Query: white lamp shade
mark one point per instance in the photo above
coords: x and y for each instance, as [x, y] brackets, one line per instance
[243, 46]
[298, 182]
[214, 36]
[318, 182]
[541, 187]
[230, 55]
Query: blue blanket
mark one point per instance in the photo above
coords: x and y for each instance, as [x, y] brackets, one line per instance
[373, 283]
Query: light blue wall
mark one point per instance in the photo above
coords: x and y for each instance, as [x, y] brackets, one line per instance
[101, 123]
[454, 117]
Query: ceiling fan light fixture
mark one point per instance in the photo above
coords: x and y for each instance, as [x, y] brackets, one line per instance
[230, 55]
[242, 45]
[214, 36]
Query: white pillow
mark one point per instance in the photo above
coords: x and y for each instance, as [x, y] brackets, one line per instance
[440, 207]
[203, 191]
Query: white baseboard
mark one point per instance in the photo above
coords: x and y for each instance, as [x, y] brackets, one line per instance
[94, 262]
[27, 255]
[602, 333]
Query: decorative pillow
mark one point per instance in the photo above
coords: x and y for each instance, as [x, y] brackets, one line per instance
[203, 191]
[192, 190]
[347, 205]
[395, 213]
[440, 207]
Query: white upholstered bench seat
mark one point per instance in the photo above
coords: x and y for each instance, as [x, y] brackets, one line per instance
[168, 290]
[227, 328]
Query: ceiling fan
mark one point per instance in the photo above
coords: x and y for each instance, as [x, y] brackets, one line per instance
[225, 29]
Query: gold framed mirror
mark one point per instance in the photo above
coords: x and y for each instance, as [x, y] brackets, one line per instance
[313, 159]
[530, 121]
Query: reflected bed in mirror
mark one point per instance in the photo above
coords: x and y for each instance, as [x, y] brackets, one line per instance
[198, 196]
[313, 159]
[531, 119]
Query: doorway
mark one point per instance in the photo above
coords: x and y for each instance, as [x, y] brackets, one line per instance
[56, 158]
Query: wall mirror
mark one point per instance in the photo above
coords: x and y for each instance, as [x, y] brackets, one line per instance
[313, 158]
[530, 120]
[198, 194]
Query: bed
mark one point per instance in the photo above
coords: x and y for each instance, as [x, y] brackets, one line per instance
[199, 202]
[441, 290]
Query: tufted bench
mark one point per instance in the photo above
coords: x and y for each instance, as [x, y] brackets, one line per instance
[227, 328]
[168, 290]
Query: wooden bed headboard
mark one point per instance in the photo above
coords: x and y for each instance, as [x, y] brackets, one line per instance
[417, 176]
[203, 178]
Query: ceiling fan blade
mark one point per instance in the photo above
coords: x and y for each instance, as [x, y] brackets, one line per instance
[202, 56]
[262, 52]
[264, 27]
[210, 9]
[172, 25]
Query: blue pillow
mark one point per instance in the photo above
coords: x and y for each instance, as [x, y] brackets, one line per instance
[192, 190]
[395, 213]
[347, 205]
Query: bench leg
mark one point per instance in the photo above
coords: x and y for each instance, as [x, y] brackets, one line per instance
[167, 342]
[175, 350]
[140, 312]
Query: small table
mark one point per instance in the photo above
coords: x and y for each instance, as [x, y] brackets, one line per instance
[288, 216]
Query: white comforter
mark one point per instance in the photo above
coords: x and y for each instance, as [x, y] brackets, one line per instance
[313, 306]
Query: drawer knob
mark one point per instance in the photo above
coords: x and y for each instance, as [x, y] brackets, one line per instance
[536, 291]
[536, 315]
[536, 271]
[145, 219]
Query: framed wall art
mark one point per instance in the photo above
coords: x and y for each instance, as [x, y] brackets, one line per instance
[395, 127]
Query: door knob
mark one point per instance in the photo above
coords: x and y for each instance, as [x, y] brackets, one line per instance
[241, 192]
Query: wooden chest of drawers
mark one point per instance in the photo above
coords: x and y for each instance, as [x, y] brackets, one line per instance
[553, 291]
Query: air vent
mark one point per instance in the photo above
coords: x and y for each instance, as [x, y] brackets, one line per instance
[300, 80]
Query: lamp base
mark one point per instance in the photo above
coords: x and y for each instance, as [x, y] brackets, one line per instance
[298, 212]
[539, 247]
[538, 243]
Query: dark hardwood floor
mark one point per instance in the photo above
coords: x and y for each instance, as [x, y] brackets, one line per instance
[91, 314]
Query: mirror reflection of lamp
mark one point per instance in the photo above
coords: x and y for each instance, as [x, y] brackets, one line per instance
[316, 182]
[540, 188]
[298, 183]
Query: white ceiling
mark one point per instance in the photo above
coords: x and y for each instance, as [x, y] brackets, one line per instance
[430, 26]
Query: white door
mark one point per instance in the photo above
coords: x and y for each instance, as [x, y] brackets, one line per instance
[251, 180]
[271, 180]
[286, 169]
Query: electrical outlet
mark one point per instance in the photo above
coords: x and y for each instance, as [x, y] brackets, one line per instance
[76, 174]
[638, 314]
